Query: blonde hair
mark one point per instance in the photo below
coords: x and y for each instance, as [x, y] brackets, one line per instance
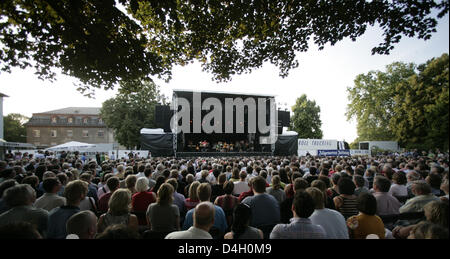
[165, 193]
[318, 197]
[437, 212]
[75, 190]
[193, 190]
[120, 202]
[276, 182]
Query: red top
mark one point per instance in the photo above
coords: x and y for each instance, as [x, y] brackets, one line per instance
[245, 195]
[190, 204]
[103, 202]
[140, 202]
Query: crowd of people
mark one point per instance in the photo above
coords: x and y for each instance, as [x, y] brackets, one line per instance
[396, 196]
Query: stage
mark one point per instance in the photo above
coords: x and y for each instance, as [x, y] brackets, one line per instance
[221, 154]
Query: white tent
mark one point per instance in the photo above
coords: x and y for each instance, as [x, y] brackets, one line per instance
[70, 146]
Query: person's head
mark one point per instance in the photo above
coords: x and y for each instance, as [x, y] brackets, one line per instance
[444, 186]
[242, 175]
[5, 185]
[228, 187]
[204, 215]
[412, 176]
[165, 194]
[241, 218]
[335, 179]
[346, 186]
[300, 184]
[118, 231]
[358, 180]
[204, 192]
[303, 205]
[51, 185]
[142, 184]
[75, 192]
[437, 212]
[193, 190]
[318, 196]
[434, 180]
[420, 187]
[130, 181]
[381, 184]
[113, 183]
[83, 224]
[19, 230]
[399, 178]
[276, 182]
[221, 179]
[173, 182]
[259, 184]
[19, 195]
[367, 204]
[120, 202]
[428, 230]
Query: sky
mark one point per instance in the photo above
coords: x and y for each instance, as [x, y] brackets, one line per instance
[323, 76]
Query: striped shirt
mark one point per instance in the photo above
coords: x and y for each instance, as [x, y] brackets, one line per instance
[349, 207]
[298, 228]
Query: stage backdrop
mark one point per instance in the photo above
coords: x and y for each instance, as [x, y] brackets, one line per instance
[286, 144]
[159, 144]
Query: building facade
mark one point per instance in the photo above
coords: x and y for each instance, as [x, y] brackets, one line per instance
[82, 124]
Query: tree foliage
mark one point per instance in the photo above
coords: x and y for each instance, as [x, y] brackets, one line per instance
[14, 128]
[407, 103]
[101, 45]
[306, 119]
[129, 112]
[371, 100]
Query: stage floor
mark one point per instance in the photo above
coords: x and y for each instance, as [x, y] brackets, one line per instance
[221, 154]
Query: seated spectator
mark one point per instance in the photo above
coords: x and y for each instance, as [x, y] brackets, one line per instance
[20, 199]
[83, 224]
[159, 181]
[265, 208]
[398, 187]
[217, 189]
[192, 199]
[332, 221]
[92, 188]
[163, 216]
[386, 203]
[329, 203]
[359, 182]
[113, 184]
[435, 180]
[276, 190]
[203, 221]
[300, 226]
[142, 199]
[50, 199]
[178, 198]
[366, 222]
[204, 194]
[300, 184]
[427, 230]
[289, 189]
[118, 211]
[436, 212]
[444, 188]
[130, 183]
[235, 175]
[118, 231]
[248, 193]
[240, 228]
[227, 202]
[103, 187]
[241, 185]
[411, 177]
[423, 195]
[19, 230]
[74, 192]
[333, 190]
[346, 202]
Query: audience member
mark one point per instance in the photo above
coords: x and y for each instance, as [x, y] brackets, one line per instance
[203, 221]
[366, 222]
[119, 206]
[240, 228]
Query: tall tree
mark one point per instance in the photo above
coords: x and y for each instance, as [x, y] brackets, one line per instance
[371, 100]
[14, 129]
[101, 44]
[421, 107]
[306, 119]
[129, 111]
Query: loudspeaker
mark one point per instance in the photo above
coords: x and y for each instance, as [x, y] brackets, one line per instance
[163, 114]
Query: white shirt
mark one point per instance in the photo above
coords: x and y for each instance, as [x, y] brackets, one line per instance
[332, 222]
[398, 190]
[240, 187]
[191, 233]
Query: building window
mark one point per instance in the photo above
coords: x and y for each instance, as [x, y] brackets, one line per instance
[53, 133]
[100, 134]
[37, 133]
[53, 119]
[69, 133]
[53, 144]
[85, 120]
[70, 120]
[85, 133]
[100, 121]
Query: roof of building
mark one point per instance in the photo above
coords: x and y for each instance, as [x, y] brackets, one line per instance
[75, 110]
[3, 95]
